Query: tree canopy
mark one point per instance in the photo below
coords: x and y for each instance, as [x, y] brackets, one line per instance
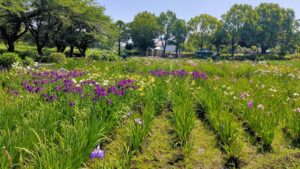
[145, 29]
[76, 23]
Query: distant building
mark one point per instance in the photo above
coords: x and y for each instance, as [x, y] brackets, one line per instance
[169, 48]
[158, 49]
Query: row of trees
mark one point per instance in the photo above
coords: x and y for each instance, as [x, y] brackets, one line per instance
[264, 27]
[146, 29]
[60, 23]
[80, 23]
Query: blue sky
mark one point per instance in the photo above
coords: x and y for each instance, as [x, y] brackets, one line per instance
[185, 9]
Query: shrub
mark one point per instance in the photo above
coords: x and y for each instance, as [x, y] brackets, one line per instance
[96, 55]
[57, 58]
[104, 55]
[29, 53]
[8, 59]
[28, 61]
[292, 56]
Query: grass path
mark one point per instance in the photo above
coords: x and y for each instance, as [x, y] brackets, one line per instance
[204, 153]
[158, 150]
[282, 156]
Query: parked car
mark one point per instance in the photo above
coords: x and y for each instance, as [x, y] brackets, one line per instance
[204, 54]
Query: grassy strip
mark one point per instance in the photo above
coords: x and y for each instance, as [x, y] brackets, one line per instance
[204, 153]
[158, 150]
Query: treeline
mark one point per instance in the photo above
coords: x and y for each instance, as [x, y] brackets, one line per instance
[80, 23]
[265, 27]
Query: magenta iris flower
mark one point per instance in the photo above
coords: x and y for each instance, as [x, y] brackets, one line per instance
[250, 104]
[97, 153]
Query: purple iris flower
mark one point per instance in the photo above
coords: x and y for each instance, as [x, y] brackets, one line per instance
[129, 114]
[71, 103]
[125, 84]
[58, 88]
[49, 98]
[100, 91]
[112, 90]
[180, 73]
[120, 93]
[199, 75]
[138, 121]
[250, 104]
[242, 96]
[97, 153]
[38, 89]
[159, 72]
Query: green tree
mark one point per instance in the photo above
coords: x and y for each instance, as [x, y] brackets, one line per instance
[167, 20]
[179, 33]
[202, 28]
[47, 22]
[123, 34]
[288, 33]
[271, 17]
[14, 17]
[248, 34]
[93, 26]
[219, 38]
[234, 22]
[144, 30]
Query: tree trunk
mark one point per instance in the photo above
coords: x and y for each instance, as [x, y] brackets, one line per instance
[176, 51]
[63, 48]
[82, 51]
[71, 50]
[218, 51]
[264, 50]
[39, 50]
[232, 47]
[11, 46]
[60, 48]
[164, 51]
[119, 53]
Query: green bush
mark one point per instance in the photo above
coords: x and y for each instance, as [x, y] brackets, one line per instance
[28, 61]
[8, 59]
[103, 55]
[29, 53]
[292, 56]
[57, 58]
